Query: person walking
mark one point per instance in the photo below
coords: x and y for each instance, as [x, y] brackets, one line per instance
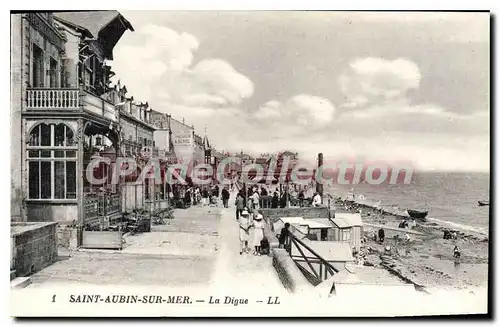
[205, 197]
[275, 201]
[301, 197]
[187, 198]
[225, 197]
[244, 234]
[284, 237]
[316, 200]
[381, 235]
[257, 233]
[255, 201]
[216, 194]
[240, 205]
[197, 195]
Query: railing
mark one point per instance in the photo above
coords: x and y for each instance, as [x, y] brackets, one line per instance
[46, 98]
[99, 106]
[96, 206]
[316, 269]
[112, 204]
[91, 209]
[53, 98]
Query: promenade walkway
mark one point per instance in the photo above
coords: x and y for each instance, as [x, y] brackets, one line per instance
[241, 273]
[199, 248]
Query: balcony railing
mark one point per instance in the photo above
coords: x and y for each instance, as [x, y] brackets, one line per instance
[42, 98]
[54, 98]
[99, 106]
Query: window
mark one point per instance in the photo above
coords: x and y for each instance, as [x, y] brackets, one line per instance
[53, 73]
[324, 234]
[346, 234]
[51, 162]
[38, 70]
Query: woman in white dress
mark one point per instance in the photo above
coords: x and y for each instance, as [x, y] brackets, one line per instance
[258, 233]
[244, 228]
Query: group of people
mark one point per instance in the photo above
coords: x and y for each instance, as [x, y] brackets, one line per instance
[251, 222]
[251, 232]
[204, 196]
[262, 197]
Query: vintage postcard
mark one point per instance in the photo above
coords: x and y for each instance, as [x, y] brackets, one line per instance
[249, 163]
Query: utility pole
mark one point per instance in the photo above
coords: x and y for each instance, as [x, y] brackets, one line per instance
[319, 186]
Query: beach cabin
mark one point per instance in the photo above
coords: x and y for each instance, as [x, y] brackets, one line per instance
[316, 229]
[336, 253]
[347, 227]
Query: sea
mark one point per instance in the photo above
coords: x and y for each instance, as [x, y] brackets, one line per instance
[450, 198]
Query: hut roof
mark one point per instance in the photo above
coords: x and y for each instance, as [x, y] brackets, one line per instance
[318, 223]
[332, 251]
[341, 223]
[353, 219]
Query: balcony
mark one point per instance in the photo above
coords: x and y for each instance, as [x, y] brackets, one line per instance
[72, 99]
[99, 106]
[51, 98]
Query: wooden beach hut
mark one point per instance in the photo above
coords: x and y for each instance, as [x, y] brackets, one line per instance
[347, 227]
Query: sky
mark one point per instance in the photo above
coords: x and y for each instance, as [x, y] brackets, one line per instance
[385, 87]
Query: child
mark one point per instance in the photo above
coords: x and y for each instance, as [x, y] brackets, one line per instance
[244, 231]
[264, 246]
[258, 233]
[284, 235]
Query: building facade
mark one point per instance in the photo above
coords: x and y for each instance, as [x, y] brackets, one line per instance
[65, 114]
[61, 112]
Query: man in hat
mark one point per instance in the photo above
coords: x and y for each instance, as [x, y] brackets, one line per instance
[244, 223]
[258, 233]
[240, 205]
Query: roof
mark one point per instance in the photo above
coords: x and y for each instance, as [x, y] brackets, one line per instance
[302, 225]
[344, 277]
[341, 223]
[318, 223]
[373, 275]
[354, 219]
[206, 143]
[292, 220]
[332, 251]
[92, 21]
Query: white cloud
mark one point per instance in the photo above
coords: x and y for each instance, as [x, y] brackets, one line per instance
[173, 49]
[302, 110]
[369, 80]
[157, 65]
[210, 82]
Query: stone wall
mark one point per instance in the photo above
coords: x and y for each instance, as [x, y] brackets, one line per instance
[67, 236]
[288, 272]
[271, 237]
[34, 247]
[51, 212]
[272, 215]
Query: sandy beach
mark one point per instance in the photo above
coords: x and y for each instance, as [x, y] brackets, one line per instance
[426, 259]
